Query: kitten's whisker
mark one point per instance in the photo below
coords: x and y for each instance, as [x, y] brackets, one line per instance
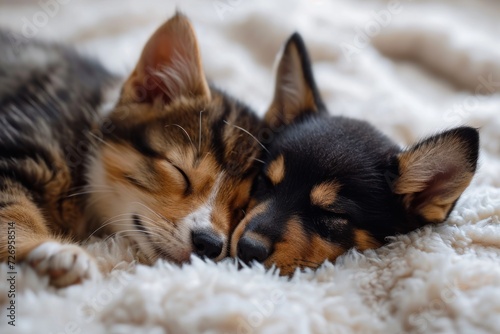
[161, 230]
[153, 211]
[102, 141]
[170, 227]
[89, 186]
[258, 160]
[248, 133]
[146, 218]
[111, 235]
[90, 192]
[199, 138]
[106, 223]
[198, 162]
[137, 232]
[118, 222]
[187, 135]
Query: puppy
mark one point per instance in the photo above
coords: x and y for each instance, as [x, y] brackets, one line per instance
[331, 183]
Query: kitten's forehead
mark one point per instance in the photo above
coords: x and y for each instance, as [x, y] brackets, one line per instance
[222, 127]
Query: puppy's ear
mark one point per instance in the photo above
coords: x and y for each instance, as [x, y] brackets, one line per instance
[434, 173]
[295, 93]
[169, 66]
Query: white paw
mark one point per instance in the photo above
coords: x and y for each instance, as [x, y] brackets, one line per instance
[65, 264]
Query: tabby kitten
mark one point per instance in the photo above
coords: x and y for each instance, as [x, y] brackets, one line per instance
[169, 166]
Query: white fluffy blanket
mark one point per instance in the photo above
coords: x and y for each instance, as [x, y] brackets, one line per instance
[410, 67]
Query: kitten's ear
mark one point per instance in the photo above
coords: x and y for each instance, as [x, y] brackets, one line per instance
[169, 66]
[434, 173]
[295, 92]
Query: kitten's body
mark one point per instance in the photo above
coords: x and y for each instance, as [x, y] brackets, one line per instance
[169, 165]
[50, 102]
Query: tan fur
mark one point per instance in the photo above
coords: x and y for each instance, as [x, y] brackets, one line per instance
[324, 194]
[292, 94]
[185, 142]
[178, 155]
[363, 240]
[235, 196]
[276, 170]
[238, 232]
[416, 167]
[430, 165]
[262, 239]
[165, 186]
[168, 69]
[296, 250]
[29, 223]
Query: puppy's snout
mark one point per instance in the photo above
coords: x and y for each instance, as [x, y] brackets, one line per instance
[207, 244]
[250, 249]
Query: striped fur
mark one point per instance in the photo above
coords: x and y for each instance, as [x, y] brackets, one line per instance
[170, 169]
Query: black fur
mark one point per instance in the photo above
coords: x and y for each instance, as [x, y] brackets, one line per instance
[350, 152]
[318, 148]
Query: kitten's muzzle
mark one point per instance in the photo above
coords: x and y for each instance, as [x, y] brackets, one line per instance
[206, 244]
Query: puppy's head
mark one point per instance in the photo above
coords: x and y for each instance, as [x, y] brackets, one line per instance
[177, 157]
[333, 183]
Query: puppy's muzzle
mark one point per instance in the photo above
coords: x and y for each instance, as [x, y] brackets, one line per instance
[206, 244]
[250, 249]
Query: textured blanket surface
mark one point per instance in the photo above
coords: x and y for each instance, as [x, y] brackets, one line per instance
[412, 68]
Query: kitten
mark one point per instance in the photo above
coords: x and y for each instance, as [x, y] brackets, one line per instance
[170, 167]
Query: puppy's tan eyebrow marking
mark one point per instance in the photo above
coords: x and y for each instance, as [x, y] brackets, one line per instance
[324, 194]
[276, 170]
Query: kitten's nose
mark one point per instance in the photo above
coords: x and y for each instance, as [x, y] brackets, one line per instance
[250, 249]
[206, 244]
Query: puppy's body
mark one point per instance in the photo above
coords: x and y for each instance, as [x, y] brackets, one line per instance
[332, 183]
[168, 165]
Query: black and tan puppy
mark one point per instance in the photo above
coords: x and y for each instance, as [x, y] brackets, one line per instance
[331, 183]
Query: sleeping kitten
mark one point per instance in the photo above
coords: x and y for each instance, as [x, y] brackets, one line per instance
[170, 167]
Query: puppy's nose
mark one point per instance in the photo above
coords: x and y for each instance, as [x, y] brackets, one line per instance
[250, 249]
[206, 244]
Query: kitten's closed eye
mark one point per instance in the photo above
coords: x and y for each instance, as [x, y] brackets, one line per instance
[144, 182]
[189, 188]
[135, 182]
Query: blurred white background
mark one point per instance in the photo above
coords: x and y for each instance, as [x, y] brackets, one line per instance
[411, 67]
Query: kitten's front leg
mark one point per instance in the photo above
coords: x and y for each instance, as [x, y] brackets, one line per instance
[65, 264]
[24, 229]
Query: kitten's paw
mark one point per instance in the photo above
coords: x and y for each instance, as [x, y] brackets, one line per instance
[65, 264]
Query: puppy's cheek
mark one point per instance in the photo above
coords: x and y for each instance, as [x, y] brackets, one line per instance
[299, 250]
[363, 240]
[321, 250]
[290, 251]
